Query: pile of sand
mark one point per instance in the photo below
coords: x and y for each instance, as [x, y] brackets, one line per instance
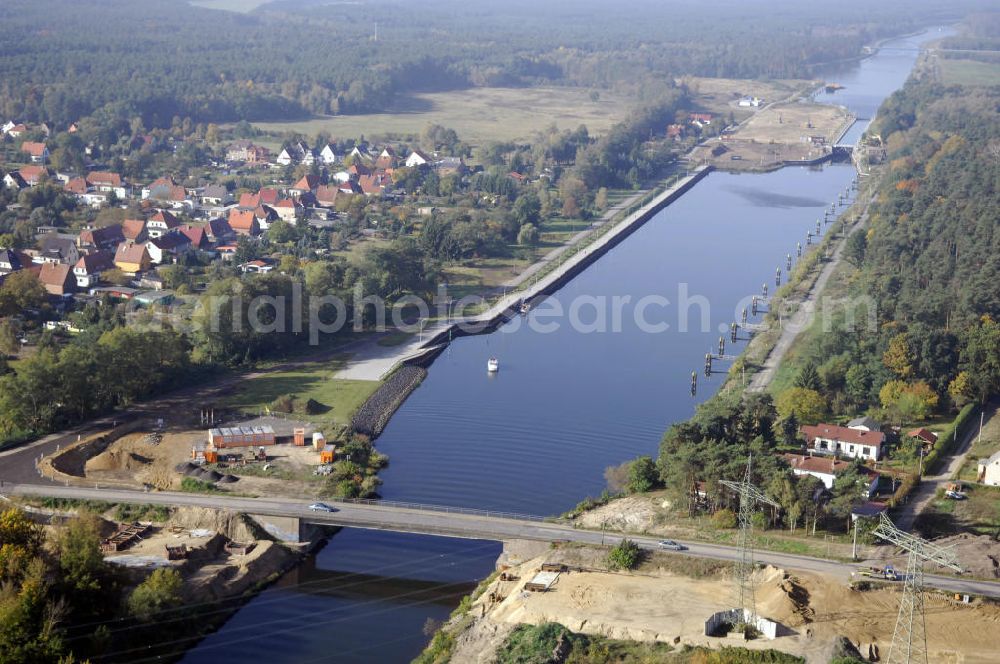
[116, 459]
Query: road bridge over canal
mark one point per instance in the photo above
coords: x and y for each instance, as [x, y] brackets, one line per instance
[286, 516]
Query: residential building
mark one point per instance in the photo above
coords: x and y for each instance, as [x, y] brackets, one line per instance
[58, 248]
[134, 230]
[989, 470]
[108, 183]
[328, 155]
[161, 223]
[34, 174]
[289, 210]
[844, 441]
[11, 261]
[417, 158]
[244, 222]
[132, 258]
[864, 423]
[107, 237]
[306, 184]
[37, 152]
[826, 470]
[165, 248]
[219, 231]
[57, 278]
[88, 269]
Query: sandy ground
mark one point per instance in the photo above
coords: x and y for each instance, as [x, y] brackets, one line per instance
[776, 134]
[209, 571]
[655, 603]
[137, 459]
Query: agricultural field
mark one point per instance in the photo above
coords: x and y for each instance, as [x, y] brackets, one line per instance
[969, 72]
[478, 115]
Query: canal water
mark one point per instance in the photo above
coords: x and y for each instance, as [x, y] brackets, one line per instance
[575, 393]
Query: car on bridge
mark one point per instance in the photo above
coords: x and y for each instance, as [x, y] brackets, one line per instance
[322, 507]
[670, 545]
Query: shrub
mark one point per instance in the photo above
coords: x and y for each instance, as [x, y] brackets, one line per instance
[625, 555]
[284, 404]
[724, 518]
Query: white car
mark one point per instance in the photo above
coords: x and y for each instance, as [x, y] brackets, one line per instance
[322, 507]
[670, 545]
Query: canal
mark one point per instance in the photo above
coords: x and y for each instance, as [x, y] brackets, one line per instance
[575, 393]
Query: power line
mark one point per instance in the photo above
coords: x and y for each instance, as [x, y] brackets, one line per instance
[310, 624]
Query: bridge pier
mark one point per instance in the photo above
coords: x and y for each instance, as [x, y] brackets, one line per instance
[284, 528]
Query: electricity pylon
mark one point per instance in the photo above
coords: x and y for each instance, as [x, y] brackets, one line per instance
[909, 638]
[750, 496]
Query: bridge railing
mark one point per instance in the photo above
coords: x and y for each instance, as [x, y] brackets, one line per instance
[441, 508]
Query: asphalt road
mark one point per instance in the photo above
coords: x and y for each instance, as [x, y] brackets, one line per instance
[438, 521]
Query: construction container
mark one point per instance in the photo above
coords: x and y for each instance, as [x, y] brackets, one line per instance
[240, 436]
[326, 455]
[299, 434]
[319, 440]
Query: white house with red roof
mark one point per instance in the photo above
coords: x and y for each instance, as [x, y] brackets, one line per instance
[844, 441]
[827, 469]
[37, 152]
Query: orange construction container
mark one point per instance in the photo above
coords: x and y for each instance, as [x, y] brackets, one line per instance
[300, 437]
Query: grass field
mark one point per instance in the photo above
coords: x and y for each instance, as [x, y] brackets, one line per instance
[340, 397]
[969, 72]
[478, 115]
[720, 95]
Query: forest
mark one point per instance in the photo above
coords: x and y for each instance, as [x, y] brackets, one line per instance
[62, 60]
[930, 261]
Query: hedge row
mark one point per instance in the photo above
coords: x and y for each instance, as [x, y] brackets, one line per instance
[946, 441]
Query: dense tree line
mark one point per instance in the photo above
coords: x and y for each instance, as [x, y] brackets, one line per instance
[930, 263]
[61, 61]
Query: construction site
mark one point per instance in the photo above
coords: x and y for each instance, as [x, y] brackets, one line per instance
[670, 596]
[792, 132]
[262, 456]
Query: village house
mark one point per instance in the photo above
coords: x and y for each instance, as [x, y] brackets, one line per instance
[219, 231]
[289, 210]
[926, 437]
[17, 130]
[161, 223]
[14, 180]
[107, 237]
[34, 174]
[417, 158]
[58, 248]
[256, 267]
[108, 183]
[750, 102]
[328, 155]
[306, 184]
[134, 230]
[11, 261]
[88, 269]
[244, 222]
[215, 194]
[449, 166]
[826, 470]
[197, 236]
[387, 159]
[989, 470]
[326, 195]
[57, 278]
[864, 423]
[165, 248]
[246, 152]
[844, 441]
[37, 152]
[132, 258]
